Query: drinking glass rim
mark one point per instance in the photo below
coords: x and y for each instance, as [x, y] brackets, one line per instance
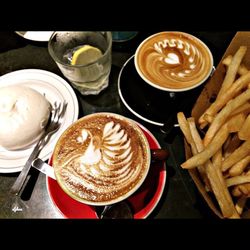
[53, 55]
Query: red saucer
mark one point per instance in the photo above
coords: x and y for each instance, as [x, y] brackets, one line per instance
[143, 201]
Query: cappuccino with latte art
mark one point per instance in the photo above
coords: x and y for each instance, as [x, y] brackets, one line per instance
[101, 159]
[173, 61]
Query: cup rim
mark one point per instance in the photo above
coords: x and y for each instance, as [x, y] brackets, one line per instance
[53, 55]
[166, 88]
[131, 191]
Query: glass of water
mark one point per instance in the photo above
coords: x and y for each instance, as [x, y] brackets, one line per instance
[84, 57]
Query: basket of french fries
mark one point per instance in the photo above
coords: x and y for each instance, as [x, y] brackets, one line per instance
[217, 135]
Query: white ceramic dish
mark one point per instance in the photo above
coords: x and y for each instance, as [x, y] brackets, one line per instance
[40, 36]
[55, 89]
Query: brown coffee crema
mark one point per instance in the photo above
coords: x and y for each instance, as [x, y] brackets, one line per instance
[101, 159]
[174, 60]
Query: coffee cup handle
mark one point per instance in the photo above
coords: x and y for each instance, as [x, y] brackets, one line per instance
[159, 154]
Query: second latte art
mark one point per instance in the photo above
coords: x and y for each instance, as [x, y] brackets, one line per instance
[174, 60]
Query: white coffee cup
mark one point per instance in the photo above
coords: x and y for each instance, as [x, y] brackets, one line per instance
[173, 61]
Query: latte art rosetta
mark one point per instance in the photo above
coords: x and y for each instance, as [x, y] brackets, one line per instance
[107, 161]
[112, 153]
[174, 60]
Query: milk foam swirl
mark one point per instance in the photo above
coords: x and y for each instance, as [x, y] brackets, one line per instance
[113, 150]
[174, 60]
[110, 165]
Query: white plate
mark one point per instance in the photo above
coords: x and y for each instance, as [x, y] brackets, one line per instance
[55, 89]
[41, 36]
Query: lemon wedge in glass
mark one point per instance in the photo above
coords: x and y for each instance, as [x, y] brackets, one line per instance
[85, 55]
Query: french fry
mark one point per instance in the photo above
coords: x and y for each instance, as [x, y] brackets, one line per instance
[220, 102]
[227, 60]
[217, 159]
[237, 155]
[214, 175]
[185, 128]
[236, 122]
[240, 166]
[245, 108]
[204, 123]
[222, 116]
[221, 192]
[232, 70]
[184, 125]
[244, 133]
[236, 180]
[208, 118]
[241, 190]
[195, 137]
[222, 158]
[242, 70]
[208, 151]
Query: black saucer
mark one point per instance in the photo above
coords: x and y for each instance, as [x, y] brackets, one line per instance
[148, 103]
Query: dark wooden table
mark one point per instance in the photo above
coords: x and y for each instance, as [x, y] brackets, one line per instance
[180, 198]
